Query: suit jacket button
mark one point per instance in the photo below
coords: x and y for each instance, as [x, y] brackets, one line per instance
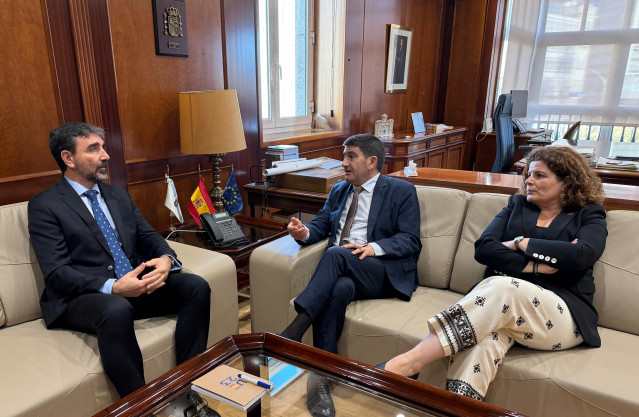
[553, 260]
[547, 258]
[110, 267]
[535, 255]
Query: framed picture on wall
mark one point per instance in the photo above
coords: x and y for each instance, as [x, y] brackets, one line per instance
[398, 58]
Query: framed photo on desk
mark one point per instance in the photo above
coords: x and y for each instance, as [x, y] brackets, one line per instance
[398, 58]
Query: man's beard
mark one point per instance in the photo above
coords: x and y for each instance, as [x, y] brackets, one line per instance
[96, 176]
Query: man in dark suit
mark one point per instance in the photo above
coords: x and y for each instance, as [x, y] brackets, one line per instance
[372, 222]
[400, 60]
[104, 266]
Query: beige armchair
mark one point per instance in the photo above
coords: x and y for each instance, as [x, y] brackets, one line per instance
[58, 372]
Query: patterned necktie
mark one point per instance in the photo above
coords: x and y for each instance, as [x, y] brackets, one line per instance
[350, 216]
[122, 264]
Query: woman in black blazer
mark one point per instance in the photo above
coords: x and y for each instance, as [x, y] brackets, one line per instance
[538, 287]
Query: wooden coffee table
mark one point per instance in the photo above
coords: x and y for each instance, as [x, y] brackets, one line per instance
[357, 388]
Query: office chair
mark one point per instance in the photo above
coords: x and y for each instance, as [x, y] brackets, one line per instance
[571, 133]
[505, 139]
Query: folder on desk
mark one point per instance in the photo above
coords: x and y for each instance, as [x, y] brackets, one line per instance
[606, 163]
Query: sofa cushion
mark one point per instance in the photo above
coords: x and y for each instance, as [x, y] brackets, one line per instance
[483, 207]
[573, 382]
[442, 215]
[617, 274]
[377, 330]
[579, 381]
[21, 281]
[65, 369]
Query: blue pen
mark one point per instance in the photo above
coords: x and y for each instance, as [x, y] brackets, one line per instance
[254, 381]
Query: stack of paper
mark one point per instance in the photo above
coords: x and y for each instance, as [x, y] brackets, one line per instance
[606, 163]
[282, 167]
[586, 151]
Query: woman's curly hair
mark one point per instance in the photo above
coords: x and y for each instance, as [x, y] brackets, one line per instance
[581, 183]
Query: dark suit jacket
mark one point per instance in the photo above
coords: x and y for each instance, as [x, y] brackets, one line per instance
[71, 249]
[573, 282]
[393, 223]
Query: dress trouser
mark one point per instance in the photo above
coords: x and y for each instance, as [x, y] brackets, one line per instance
[340, 278]
[111, 317]
[478, 330]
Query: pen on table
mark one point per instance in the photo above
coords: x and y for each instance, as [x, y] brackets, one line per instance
[254, 381]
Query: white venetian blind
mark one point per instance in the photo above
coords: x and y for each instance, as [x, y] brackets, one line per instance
[579, 59]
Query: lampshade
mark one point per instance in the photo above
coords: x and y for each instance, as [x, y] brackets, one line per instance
[210, 122]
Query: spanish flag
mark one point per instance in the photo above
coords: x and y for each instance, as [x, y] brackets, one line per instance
[200, 202]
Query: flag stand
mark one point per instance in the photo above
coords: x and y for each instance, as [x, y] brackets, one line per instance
[166, 180]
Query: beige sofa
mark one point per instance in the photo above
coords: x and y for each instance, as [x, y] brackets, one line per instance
[58, 372]
[576, 382]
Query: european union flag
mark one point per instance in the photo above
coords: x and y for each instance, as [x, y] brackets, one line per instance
[231, 196]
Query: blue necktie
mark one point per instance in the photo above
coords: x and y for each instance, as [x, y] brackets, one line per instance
[122, 264]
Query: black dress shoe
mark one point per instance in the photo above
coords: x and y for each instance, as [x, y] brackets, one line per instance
[382, 366]
[318, 397]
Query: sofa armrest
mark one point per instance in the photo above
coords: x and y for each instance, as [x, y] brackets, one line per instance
[280, 270]
[219, 271]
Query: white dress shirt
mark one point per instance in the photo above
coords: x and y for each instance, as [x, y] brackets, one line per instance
[359, 229]
[107, 287]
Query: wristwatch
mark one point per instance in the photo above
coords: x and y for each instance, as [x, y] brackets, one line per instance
[516, 241]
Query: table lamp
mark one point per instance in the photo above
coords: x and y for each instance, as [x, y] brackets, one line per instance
[211, 124]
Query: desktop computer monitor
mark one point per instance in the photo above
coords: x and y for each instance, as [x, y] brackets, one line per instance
[520, 103]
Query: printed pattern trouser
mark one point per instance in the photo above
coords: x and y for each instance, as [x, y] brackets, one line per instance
[498, 312]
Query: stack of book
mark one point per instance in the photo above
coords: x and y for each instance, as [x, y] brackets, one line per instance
[605, 163]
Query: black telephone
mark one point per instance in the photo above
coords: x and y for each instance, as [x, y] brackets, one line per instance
[222, 229]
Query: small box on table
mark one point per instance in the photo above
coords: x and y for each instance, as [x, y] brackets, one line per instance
[318, 180]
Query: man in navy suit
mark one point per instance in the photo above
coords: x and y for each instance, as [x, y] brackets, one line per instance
[372, 253]
[104, 266]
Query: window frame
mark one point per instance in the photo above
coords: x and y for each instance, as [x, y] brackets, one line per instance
[560, 116]
[275, 124]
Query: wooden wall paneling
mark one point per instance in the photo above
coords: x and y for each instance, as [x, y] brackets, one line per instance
[58, 26]
[239, 29]
[329, 147]
[424, 18]
[185, 183]
[488, 72]
[354, 44]
[148, 84]
[107, 87]
[83, 46]
[143, 97]
[423, 79]
[447, 20]
[30, 105]
[470, 66]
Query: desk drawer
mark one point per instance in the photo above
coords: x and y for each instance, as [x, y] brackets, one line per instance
[437, 142]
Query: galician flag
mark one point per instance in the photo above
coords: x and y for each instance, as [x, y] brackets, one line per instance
[171, 200]
[200, 202]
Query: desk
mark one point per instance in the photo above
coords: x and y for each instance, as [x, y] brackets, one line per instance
[618, 196]
[486, 150]
[602, 148]
[436, 150]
